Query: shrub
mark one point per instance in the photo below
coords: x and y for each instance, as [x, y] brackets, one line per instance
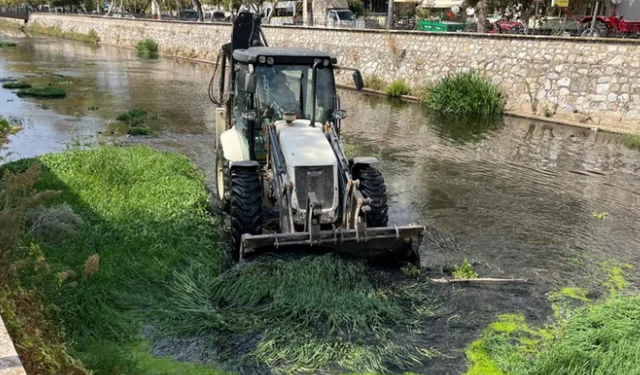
[147, 48]
[632, 141]
[16, 85]
[43, 92]
[374, 83]
[397, 88]
[465, 94]
[4, 43]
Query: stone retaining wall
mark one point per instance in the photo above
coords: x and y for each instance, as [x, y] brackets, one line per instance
[591, 81]
[12, 22]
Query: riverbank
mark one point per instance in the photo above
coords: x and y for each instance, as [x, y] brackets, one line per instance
[571, 79]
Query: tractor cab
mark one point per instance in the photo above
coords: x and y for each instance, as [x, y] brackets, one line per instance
[275, 84]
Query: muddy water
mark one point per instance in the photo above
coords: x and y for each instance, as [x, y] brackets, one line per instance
[515, 197]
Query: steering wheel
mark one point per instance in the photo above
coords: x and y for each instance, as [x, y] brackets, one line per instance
[291, 107]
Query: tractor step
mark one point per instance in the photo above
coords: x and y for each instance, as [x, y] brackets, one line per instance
[397, 243]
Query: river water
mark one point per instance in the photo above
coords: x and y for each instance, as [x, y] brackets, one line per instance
[516, 198]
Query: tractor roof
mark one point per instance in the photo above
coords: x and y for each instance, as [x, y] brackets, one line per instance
[300, 56]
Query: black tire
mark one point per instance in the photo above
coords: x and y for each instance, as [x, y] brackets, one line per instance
[372, 186]
[600, 30]
[223, 187]
[245, 206]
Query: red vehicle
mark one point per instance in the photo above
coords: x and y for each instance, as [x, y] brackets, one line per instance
[608, 26]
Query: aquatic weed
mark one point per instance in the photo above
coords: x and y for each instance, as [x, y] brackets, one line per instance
[147, 48]
[464, 94]
[16, 85]
[397, 88]
[4, 44]
[631, 141]
[42, 92]
[464, 271]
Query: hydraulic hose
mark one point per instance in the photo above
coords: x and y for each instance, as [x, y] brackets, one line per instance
[222, 96]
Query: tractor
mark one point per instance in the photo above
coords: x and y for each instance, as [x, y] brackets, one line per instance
[282, 173]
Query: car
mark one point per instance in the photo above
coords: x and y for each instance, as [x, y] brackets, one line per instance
[219, 16]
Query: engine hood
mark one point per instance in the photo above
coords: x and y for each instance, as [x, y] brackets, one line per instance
[303, 145]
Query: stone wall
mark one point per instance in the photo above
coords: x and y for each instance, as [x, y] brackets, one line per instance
[592, 81]
[12, 22]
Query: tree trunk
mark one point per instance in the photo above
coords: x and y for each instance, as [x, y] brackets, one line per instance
[198, 5]
[481, 11]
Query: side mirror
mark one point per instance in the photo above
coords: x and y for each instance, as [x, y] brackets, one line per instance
[250, 83]
[339, 114]
[357, 79]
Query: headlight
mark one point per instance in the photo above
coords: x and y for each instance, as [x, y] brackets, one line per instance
[325, 62]
[270, 60]
[262, 59]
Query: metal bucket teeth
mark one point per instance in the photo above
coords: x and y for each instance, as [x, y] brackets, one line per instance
[399, 243]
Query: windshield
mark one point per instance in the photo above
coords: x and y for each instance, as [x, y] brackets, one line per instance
[289, 88]
[345, 15]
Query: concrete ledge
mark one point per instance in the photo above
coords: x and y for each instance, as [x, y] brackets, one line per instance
[9, 361]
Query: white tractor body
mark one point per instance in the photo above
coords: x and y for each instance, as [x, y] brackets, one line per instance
[311, 166]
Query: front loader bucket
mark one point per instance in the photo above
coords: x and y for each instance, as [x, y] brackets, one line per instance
[398, 243]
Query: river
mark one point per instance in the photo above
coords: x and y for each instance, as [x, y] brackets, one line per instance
[516, 198]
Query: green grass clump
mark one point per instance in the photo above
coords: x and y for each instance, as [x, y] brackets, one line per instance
[464, 271]
[599, 215]
[16, 85]
[632, 141]
[137, 130]
[135, 120]
[465, 94]
[4, 43]
[43, 92]
[397, 88]
[588, 336]
[144, 215]
[147, 48]
[374, 83]
[304, 315]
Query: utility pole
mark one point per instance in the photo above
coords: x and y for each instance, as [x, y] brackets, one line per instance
[593, 20]
[390, 16]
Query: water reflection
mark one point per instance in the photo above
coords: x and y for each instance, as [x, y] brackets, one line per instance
[460, 130]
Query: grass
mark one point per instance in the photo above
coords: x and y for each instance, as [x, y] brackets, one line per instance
[147, 48]
[16, 85]
[91, 36]
[599, 215]
[43, 92]
[135, 119]
[302, 316]
[136, 130]
[464, 271]
[397, 88]
[465, 94]
[4, 44]
[127, 242]
[374, 83]
[631, 141]
[587, 336]
[144, 215]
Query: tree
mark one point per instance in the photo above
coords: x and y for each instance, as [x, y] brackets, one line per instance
[198, 6]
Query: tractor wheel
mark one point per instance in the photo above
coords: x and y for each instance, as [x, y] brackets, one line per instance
[372, 186]
[600, 30]
[245, 206]
[222, 180]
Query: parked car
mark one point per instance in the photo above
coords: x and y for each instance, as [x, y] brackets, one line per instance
[218, 16]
